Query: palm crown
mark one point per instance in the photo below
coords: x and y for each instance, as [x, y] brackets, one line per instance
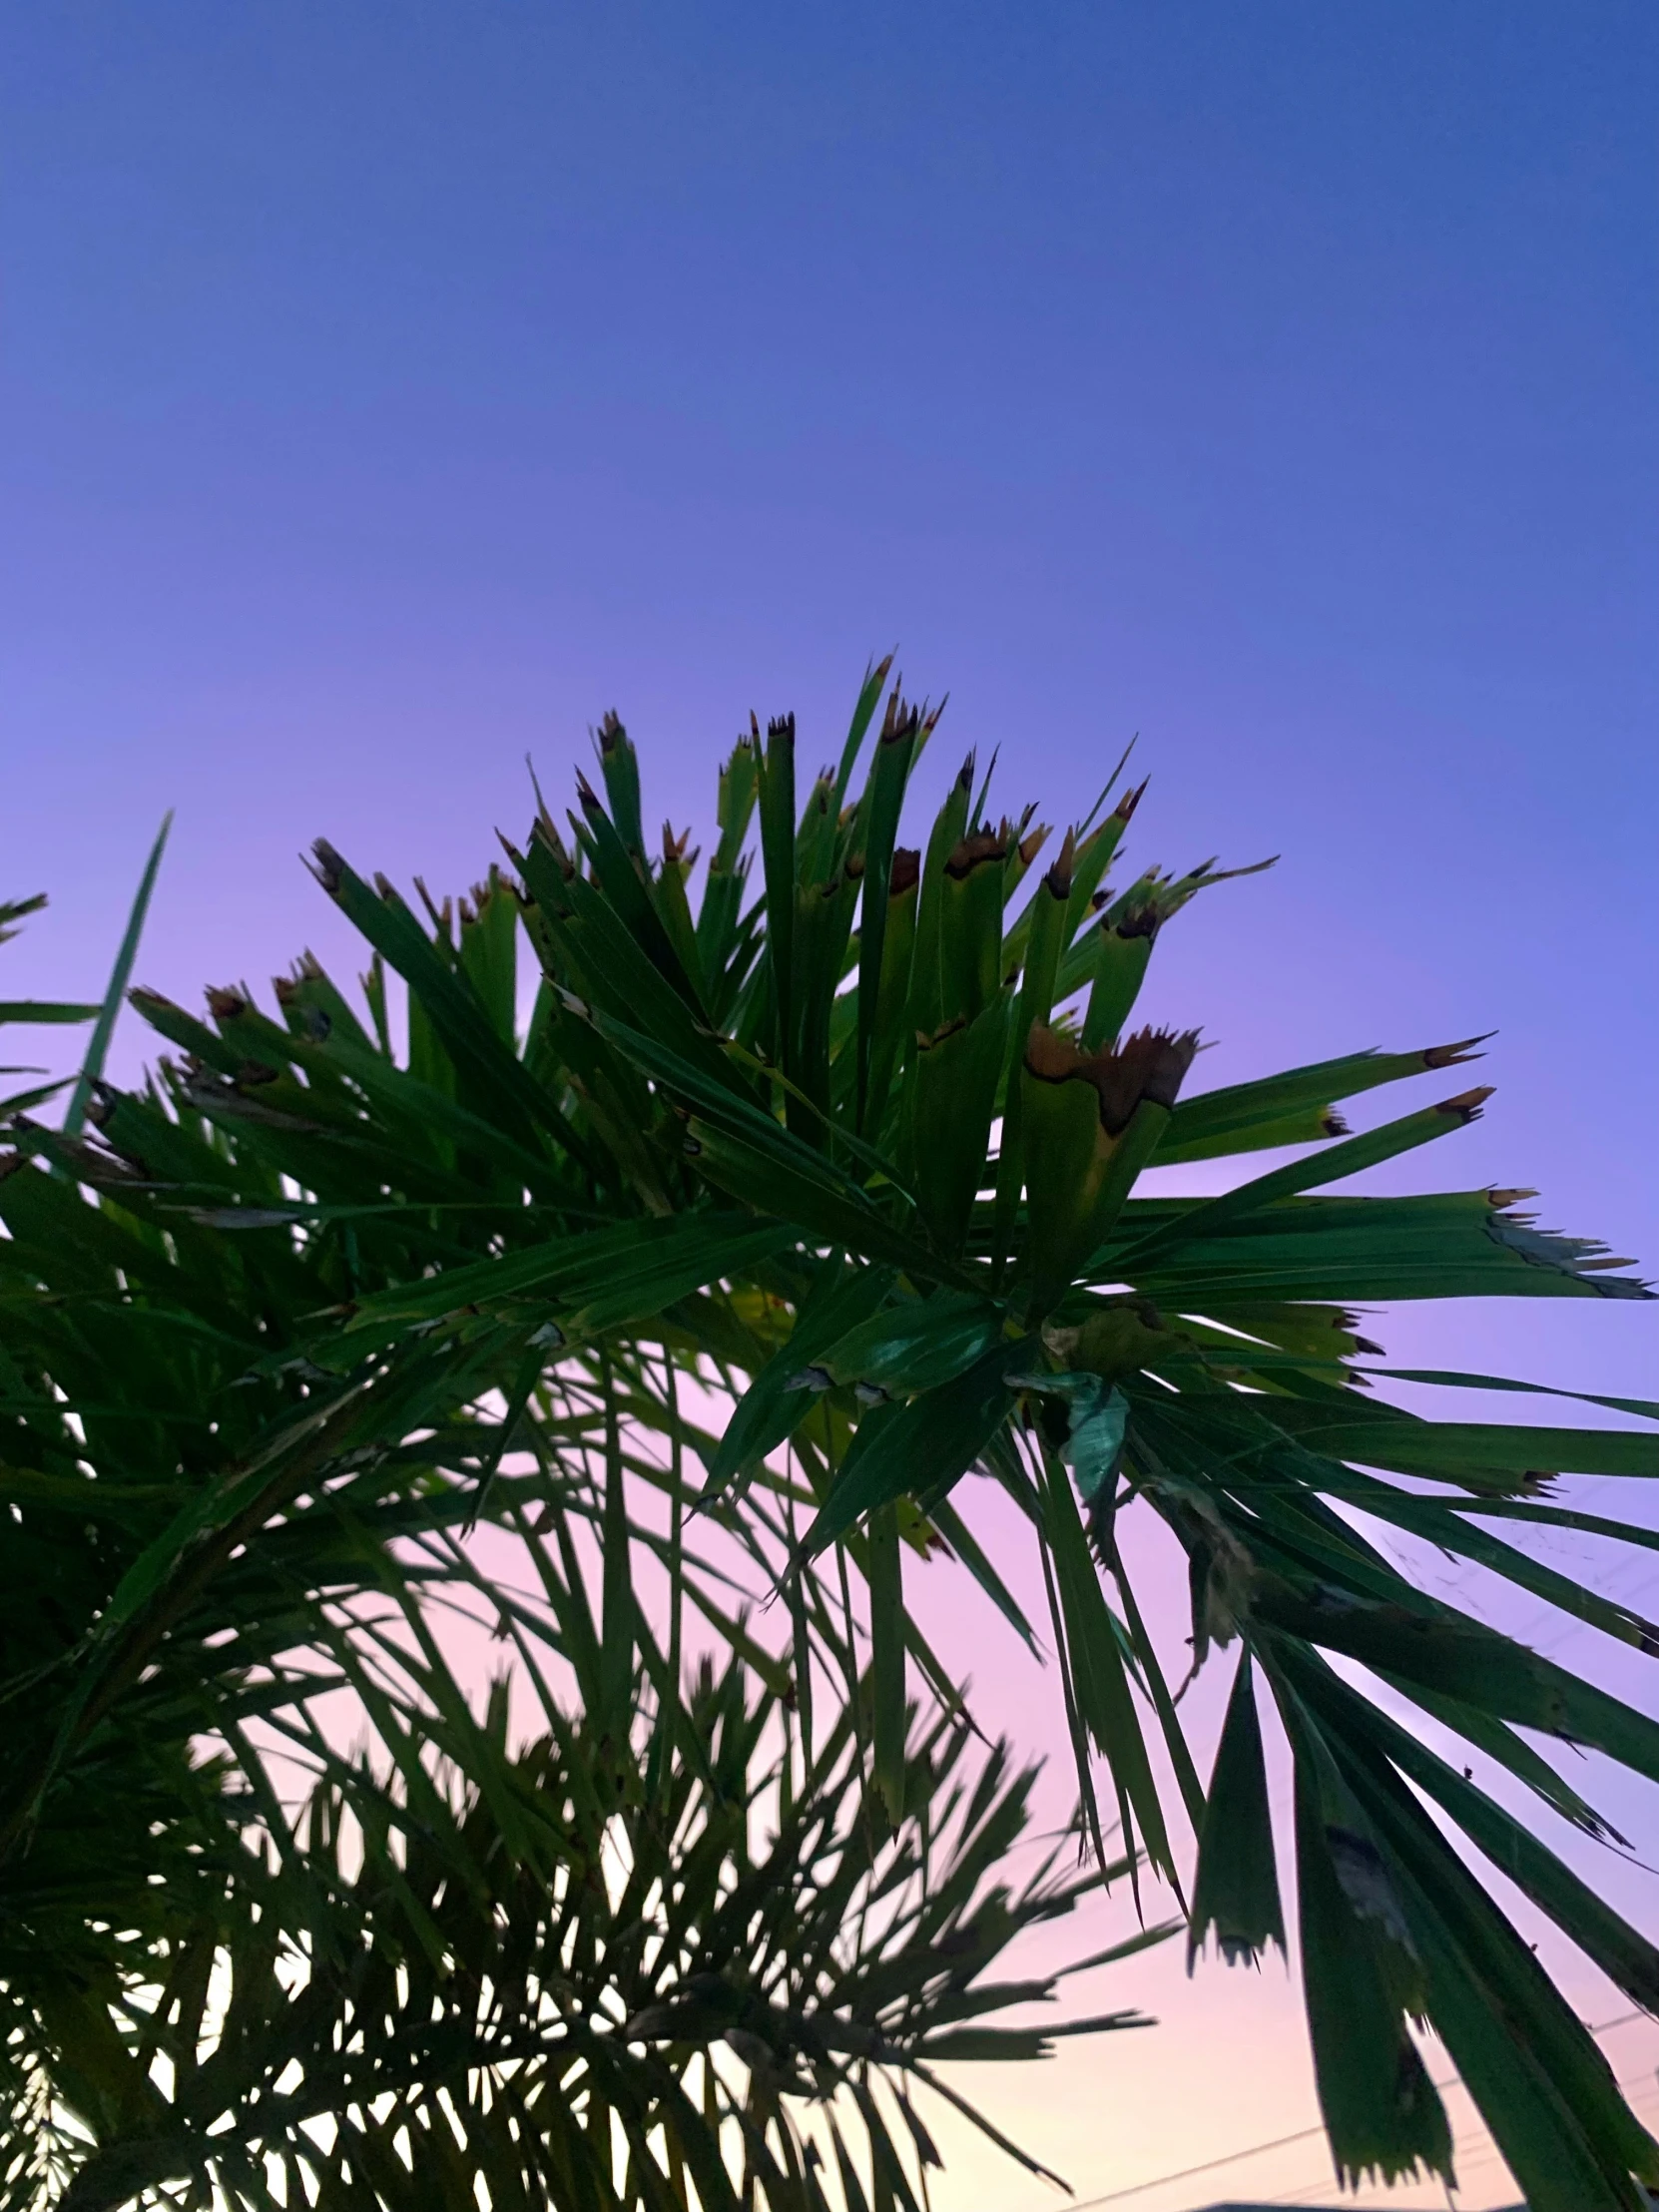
[857, 1139]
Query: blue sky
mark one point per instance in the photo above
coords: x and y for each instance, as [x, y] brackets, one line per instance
[385, 393]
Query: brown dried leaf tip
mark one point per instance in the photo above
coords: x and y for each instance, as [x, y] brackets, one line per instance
[328, 866]
[1454, 1055]
[1057, 883]
[1032, 842]
[899, 722]
[968, 853]
[586, 793]
[1467, 1104]
[1152, 1065]
[307, 969]
[1124, 807]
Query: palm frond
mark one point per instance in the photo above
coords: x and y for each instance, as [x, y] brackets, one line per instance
[294, 1291]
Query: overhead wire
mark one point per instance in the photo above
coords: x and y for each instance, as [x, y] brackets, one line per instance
[1488, 2153]
[1279, 2142]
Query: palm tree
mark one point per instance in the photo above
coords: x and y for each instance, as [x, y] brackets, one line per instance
[287, 1916]
[583, 1981]
[863, 1149]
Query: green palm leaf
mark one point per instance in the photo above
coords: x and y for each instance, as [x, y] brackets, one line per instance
[737, 1142]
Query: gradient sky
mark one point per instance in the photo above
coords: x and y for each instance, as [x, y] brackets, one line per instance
[385, 393]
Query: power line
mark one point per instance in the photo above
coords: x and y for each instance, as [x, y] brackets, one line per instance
[1188, 2173]
[1486, 2156]
[1280, 2142]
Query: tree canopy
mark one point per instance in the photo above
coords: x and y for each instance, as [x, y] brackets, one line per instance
[854, 1142]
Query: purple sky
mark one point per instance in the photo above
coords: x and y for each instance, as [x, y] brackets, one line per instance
[385, 392]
